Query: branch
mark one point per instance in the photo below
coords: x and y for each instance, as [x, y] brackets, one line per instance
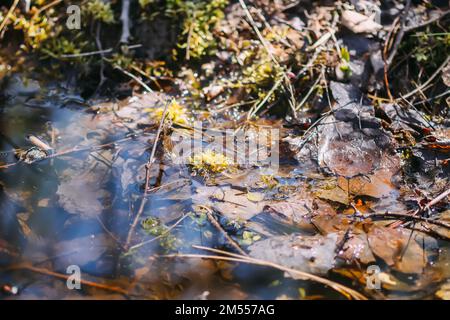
[6, 19]
[400, 34]
[147, 179]
[124, 17]
[348, 292]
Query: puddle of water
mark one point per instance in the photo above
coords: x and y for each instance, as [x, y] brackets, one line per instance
[77, 209]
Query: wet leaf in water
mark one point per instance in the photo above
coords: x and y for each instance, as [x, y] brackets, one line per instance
[231, 203]
[444, 292]
[356, 248]
[331, 223]
[82, 186]
[351, 141]
[335, 194]
[300, 207]
[359, 23]
[315, 254]
[77, 196]
[397, 249]
[81, 251]
[378, 184]
[255, 196]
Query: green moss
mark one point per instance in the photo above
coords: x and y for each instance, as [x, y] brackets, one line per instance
[345, 54]
[200, 18]
[154, 227]
[100, 11]
[145, 3]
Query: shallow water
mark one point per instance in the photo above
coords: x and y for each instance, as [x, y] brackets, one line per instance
[76, 209]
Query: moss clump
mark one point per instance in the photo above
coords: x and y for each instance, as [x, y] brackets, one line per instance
[268, 181]
[100, 11]
[176, 113]
[200, 19]
[154, 227]
[209, 162]
[248, 237]
[36, 29]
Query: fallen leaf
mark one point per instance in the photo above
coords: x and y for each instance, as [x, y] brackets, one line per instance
[255, 196]
[359, 23]
[300, 207]
[444, 292]
[314, 254]
[212, 91]
[43, 202]
[232, 203]
[397, 249]
[81, 251]
[356, 248]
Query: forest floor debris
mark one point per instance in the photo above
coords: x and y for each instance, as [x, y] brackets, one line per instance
[354, 94]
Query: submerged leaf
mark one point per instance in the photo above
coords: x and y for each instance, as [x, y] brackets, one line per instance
[315, 254]
[398, 249]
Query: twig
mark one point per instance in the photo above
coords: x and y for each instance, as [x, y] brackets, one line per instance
[6, 19]
[447, 92]
[124, 17]
[98, 42]
[436, 200]
[263, 41]
[255, 28]
[309, 93]
[310, 63]
[142, 83]
[425, 208]
[384, 53]
[407, 216]
[91, 53]
[426, 83]
[72, 150]
[27, 266]
[86, 54]
[48, 6]
[348, 292]
[425, 23]
[147, 178]
[219, 227]
[109, 232]
[189, 37]
[255, 109]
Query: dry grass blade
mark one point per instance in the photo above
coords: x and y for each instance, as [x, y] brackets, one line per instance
[219, 227]
[147, 178]
[44, 271]
[426, 83]
[347, 292]
[6, 19]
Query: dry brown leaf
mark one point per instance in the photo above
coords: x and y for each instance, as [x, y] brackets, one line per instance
[300, 207]
[397, 249]
[313, 254]
[232, 203]
[359, 23]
